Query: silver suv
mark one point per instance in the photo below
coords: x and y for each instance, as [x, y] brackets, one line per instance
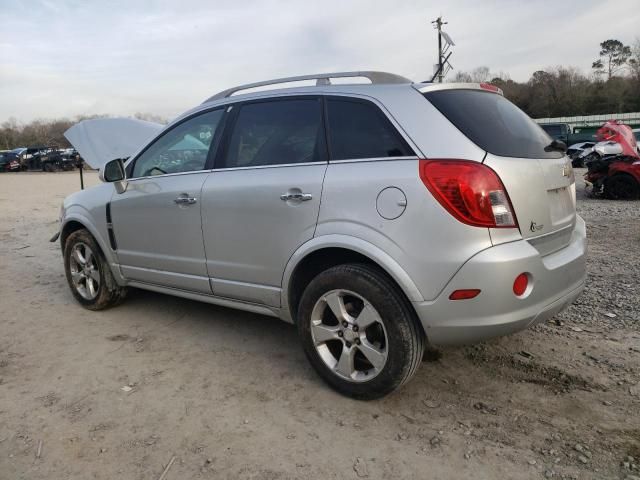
[376, 217]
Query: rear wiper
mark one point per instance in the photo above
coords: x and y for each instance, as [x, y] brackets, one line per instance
[556, 146]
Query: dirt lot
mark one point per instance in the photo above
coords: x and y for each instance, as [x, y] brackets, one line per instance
[230, 394]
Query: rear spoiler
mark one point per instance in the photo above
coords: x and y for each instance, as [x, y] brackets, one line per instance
[432, 87]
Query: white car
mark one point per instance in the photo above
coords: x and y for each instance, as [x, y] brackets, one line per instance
[578, 151]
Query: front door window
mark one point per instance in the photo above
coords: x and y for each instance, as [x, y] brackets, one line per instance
[182, 149]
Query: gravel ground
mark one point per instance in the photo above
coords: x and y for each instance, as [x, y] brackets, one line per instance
[120, 393]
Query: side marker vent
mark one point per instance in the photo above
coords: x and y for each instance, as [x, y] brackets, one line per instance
[112, 236]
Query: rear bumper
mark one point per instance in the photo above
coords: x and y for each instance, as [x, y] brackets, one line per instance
[556, 281]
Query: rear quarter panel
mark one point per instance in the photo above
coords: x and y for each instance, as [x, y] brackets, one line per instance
[426, 241]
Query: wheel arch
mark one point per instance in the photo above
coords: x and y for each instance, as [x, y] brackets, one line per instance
[67, 229]
[325, 252]
[74, 222]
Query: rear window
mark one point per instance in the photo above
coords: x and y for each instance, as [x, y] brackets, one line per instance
[493, 123]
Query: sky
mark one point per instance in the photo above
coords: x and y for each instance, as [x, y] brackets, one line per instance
[63, 58]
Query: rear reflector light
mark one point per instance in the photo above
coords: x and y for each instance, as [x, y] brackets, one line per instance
[464, 294]
[470, 191]
[520, 284]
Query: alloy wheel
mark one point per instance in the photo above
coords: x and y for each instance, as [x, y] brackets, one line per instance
[85, 274]
[349, 335]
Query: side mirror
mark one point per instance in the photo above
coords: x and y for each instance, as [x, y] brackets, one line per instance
[114, 172]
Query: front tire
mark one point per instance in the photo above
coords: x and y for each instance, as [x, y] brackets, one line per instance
[88, 273]
[359, 332]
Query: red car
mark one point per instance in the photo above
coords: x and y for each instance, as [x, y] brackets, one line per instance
[616, 176]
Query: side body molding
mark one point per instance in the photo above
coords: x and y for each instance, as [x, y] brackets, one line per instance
[357, 245]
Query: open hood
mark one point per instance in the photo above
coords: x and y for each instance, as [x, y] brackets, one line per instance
[103, 139]
[615, 131]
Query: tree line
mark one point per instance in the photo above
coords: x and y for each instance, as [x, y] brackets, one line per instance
[563, 92]
[612, 87]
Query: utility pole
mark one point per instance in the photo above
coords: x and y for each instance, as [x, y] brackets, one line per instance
[443, 65]
[438, 21]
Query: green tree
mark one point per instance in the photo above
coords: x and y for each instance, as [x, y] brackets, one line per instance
[614, 56]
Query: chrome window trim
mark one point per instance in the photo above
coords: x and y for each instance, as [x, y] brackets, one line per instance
[191, 172]
[374, 159]
[280, 165]
[260, 167]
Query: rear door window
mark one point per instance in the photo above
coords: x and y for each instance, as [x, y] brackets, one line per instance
[493, 123]
[358, 129]
[276, 132]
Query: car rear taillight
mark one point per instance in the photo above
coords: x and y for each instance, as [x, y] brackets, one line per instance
[470, 191]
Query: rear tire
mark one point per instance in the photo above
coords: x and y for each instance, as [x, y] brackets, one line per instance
[373, 345]
[622, 187]
[88, 273]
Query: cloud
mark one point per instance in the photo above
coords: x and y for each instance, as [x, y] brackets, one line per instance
[119, 57]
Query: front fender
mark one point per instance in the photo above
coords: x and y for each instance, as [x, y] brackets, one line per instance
[377, 255]
[78, 214]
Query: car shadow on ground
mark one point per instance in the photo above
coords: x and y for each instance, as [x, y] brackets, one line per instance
[269, 341]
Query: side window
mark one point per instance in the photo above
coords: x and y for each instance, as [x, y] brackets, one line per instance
[182, 149]
[360, 130]
[275, 133]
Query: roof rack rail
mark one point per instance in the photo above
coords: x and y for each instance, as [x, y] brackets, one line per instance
[320, 78]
